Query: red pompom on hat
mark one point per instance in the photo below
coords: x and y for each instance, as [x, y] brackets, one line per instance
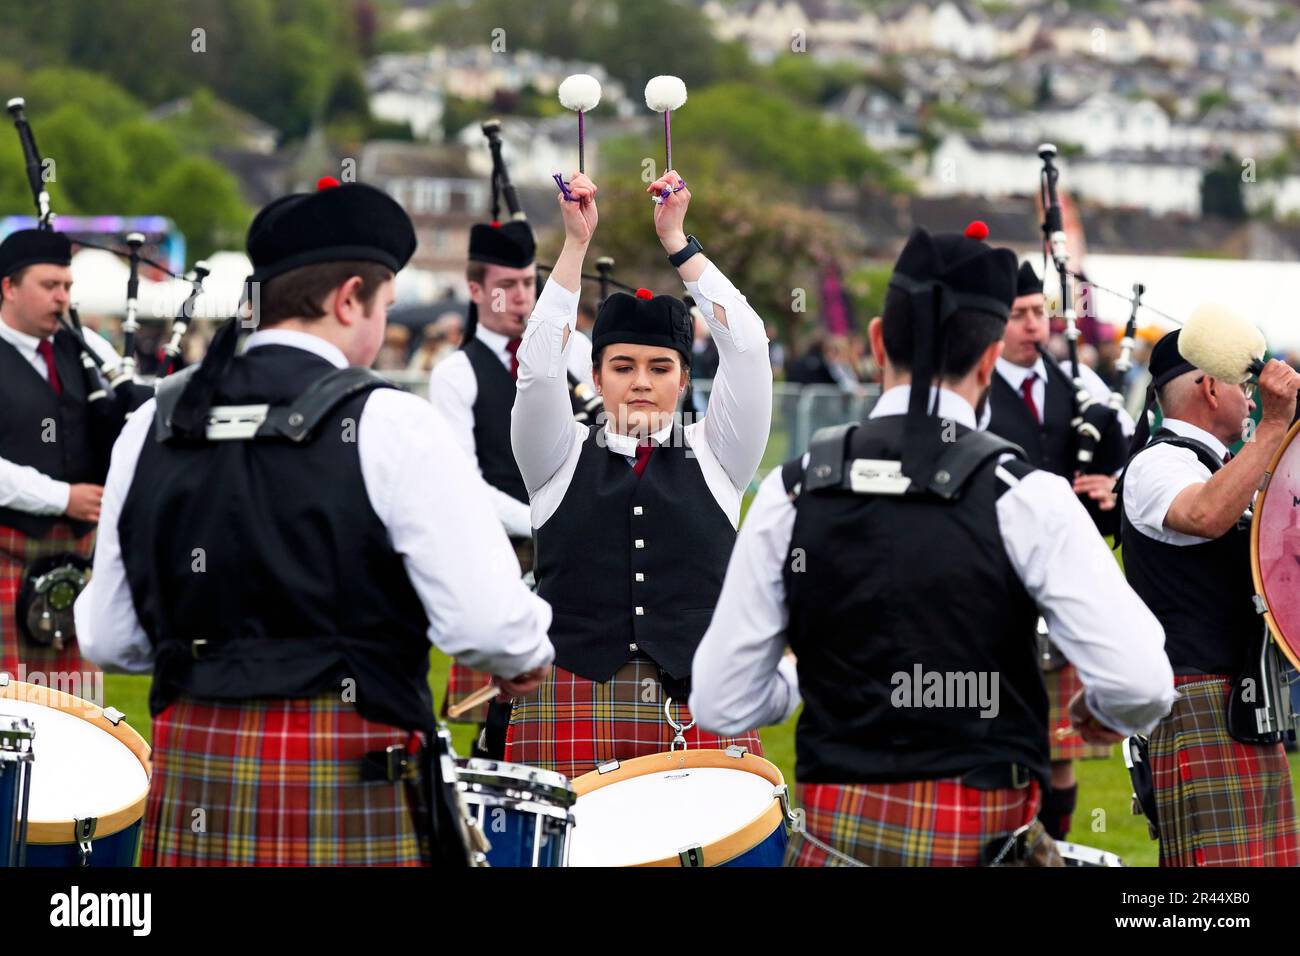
[327, 182]
[978, 229]
[644, 294]
[496, 223]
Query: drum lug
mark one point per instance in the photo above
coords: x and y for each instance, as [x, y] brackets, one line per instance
[609, 766]
[782, 793]
[1261, 606]
[4, 678]
[113, 715]
[736, 750]
[691, 856]
[84, 831]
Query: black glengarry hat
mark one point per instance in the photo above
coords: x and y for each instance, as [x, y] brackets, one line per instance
[337, 223]
[1027, 281]
[943, 274]
[644, 319]
[31, 247]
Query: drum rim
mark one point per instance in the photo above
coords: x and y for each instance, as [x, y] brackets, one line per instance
[107, 824]
[518, 777]
[1279, 637]
[725, 848]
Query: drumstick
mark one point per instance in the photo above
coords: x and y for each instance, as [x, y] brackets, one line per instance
[1060, 733]
[480, 696]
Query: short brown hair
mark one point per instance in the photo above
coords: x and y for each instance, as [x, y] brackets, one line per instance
[301, 293]
[475, 271]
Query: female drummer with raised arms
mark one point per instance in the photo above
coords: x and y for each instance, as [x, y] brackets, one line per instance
[635, 516]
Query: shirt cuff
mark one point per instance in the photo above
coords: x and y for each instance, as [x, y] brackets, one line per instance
[712, 287]
[788, 672]
[557, 306]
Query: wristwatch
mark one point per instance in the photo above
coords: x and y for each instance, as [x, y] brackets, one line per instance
[691, 248]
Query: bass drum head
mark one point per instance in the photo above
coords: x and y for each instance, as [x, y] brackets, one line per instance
[1275, 546]
[84, 765]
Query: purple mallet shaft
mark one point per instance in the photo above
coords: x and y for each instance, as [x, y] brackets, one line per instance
[668, 141]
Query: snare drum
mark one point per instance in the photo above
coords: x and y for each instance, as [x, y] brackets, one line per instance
[89, 779]
[684, 808]
[1076, 854]
[522, 811]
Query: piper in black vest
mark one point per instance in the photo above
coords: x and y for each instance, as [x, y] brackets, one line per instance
[635, 516]
[904, 561]
[1219, 801]
[1032, 404]
[49, 494]
[283, 537]
[475, 389]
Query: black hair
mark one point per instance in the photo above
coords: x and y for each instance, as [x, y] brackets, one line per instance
[966, 335]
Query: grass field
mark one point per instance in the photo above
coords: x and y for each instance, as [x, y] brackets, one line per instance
[1102, 820]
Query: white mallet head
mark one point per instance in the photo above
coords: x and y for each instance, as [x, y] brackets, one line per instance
[580, 92]
[665, 93]
[1222, 343]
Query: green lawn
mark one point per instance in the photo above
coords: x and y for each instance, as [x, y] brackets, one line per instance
[1102, 820]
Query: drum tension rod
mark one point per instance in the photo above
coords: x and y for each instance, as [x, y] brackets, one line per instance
[84, 831]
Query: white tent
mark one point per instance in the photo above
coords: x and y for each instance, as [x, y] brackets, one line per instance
[99, 287]
[1260, 291]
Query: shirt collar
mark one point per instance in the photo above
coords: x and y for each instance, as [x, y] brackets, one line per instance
[495, 341]
[26, 344]
[951, 405]
[1015, 374]
[299, 340]
[626, 444]
[1188, 430]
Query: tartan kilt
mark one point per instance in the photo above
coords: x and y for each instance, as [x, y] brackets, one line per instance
[19, 656]
[1220, 802]
[913, 823]
[461, 682]
[280, 784]
[571, 725]
[1062, 684]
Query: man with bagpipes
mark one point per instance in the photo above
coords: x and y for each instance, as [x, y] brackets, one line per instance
[475, 391]
[284, 534]
[1062, 416]
[54, 443]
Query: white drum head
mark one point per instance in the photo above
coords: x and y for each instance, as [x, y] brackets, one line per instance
[655, 815]
[78, 769]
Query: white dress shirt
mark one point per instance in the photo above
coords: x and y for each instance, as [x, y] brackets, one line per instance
[454, 389]
[1015, 375]
[427, 495]
[728, 442]
[1155, 478]
[22, 487]
[740, 679]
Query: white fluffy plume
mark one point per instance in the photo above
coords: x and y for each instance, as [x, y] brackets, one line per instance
[665, 93]
[1221, 343]
[580, 92]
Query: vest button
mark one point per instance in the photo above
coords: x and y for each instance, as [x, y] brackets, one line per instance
[640, 576]
[640, 610]
[633, 647]
[640, 542]
[637, 510]
[295, 419]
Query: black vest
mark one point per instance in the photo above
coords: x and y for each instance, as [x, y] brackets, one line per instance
[296, 590]
[1200, 593]
[630, 561]
[1049, 445]
[32, 414]
[496, 397]
[880, 586]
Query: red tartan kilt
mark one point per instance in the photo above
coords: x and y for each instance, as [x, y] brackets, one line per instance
[571, 725]
[279, 784]
[1220, 802]
[1062, 684]
[19, 656]
[461, 682]
[915, 823]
